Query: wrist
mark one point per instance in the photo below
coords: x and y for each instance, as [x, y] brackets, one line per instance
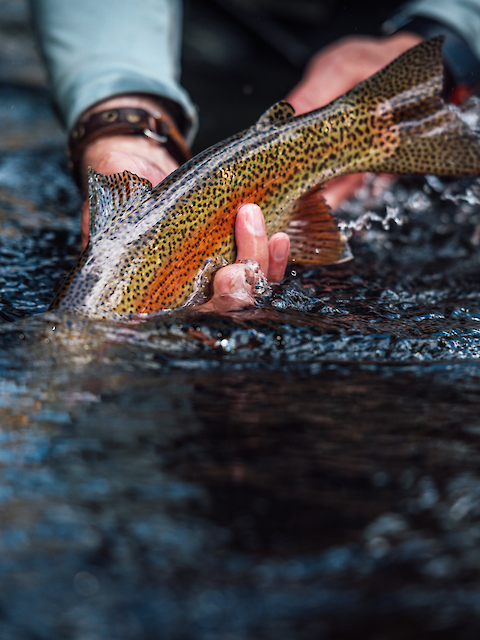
[135, 123]
[115, 153]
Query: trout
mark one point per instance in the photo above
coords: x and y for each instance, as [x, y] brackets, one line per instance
[149, 248]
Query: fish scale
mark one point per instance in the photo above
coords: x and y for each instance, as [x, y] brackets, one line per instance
[150, 249]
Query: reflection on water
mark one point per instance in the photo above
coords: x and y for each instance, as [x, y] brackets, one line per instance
[305, 469]
[147, 498]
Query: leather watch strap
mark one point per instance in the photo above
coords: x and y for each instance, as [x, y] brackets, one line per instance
[126, 121]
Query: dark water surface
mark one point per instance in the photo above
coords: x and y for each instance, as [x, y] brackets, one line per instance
[306, 469]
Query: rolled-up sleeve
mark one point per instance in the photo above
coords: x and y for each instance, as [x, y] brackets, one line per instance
[95, 49]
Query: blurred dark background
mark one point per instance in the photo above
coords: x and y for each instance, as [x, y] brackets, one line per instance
[240, 56]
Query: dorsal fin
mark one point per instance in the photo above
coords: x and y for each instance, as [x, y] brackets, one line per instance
[314, 234]
[109, 196]
[276, 114]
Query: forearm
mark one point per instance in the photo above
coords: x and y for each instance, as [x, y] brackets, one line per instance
[97, 49]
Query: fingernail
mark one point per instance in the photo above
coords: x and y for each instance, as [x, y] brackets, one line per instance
[255, 222]
[280, 249]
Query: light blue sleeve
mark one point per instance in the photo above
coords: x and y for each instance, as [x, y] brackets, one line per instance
[462, 16]
[95, 49]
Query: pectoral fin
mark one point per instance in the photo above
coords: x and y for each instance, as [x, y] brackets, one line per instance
[314, 234]
[110, 196]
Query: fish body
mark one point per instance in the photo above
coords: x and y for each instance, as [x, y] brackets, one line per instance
[148, 248]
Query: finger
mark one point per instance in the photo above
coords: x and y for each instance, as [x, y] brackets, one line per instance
[341, 188]
[231, 291]
[251, 236]
[279, 248]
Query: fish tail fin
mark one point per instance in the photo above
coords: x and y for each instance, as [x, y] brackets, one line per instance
[410, 130]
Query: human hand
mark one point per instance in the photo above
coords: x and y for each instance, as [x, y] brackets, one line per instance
[232, 291]
[336, 69]
[117, 153]
[231, 287]
[145, 158]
